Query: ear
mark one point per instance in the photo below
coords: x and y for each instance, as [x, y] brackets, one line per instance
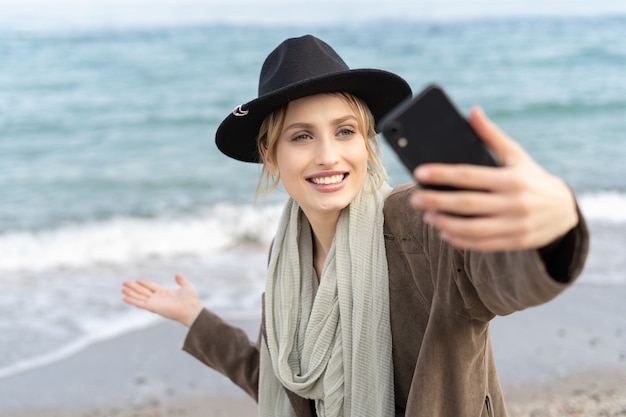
[271, 167]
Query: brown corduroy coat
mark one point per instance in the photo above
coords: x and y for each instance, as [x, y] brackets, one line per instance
[441, 300]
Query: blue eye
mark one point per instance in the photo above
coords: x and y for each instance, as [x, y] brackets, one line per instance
[303, 136]
[346, 132]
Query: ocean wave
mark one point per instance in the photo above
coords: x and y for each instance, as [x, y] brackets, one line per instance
[126, 240]
[604, 206]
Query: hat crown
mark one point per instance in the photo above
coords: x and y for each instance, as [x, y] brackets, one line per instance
[296, 60]
[301, 67]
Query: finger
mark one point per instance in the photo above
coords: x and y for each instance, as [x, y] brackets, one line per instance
[506, 149]
[151, 286]
[478, 227]
[181, 280]
[133, 298]
[482, 233]
[138, 288]
[135, 302]
[132, 287]
[132, 293]
[466, 203]
[493, 244]
[465, 176]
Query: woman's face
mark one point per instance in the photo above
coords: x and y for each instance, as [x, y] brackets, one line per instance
[320, 154]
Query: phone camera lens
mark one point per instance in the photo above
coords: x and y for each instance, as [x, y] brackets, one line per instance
[395, 130]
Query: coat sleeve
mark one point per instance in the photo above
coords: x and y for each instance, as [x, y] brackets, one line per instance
[225, 348]
[514, 280]
[480, 285]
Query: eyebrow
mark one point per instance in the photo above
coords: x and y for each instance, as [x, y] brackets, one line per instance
[307, 126]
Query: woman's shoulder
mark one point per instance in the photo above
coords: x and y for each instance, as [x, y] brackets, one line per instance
[398, 197]
[400, 216]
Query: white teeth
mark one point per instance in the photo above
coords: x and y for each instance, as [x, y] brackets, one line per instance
[328, 180]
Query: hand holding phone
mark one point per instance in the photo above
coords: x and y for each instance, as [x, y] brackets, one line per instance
[429, 128]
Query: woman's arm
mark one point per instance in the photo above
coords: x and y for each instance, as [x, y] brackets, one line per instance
[225, 348]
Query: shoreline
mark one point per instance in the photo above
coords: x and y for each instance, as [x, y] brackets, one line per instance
[555, 359]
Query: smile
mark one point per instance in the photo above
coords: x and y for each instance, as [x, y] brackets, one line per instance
[333, 179]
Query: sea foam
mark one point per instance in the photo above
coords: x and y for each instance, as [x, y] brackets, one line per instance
[126, 240]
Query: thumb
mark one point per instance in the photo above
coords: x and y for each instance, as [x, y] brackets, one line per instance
[506, 149]
[181, 280]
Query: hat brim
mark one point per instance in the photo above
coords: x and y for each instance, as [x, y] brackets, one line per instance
[381, 91]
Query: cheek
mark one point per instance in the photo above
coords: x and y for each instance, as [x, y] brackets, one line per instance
[286, 164]
[282, 161]
[362, 156]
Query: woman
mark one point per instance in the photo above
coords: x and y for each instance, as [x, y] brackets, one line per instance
[377, 301]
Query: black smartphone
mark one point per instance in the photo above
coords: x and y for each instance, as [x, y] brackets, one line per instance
[429, 128]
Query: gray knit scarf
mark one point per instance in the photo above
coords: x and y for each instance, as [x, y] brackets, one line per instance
[331, 344]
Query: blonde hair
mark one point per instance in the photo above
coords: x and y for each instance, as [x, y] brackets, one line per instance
[272, 126]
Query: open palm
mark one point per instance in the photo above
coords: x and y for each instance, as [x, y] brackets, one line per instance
[181, 304]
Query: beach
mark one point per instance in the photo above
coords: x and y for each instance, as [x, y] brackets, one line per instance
[109, 172]
[565, 358]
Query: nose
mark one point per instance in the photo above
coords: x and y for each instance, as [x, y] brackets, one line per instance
[327, 152]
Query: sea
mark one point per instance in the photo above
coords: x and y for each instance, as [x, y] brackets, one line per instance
[108, 166]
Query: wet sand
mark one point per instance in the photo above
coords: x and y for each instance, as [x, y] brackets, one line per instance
[566, 358]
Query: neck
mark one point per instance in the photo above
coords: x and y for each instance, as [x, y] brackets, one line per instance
[323, 228]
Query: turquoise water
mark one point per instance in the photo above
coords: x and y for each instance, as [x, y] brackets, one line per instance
[108, 169]
[105, 123]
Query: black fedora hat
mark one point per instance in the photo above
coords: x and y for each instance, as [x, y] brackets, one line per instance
[297, 68]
